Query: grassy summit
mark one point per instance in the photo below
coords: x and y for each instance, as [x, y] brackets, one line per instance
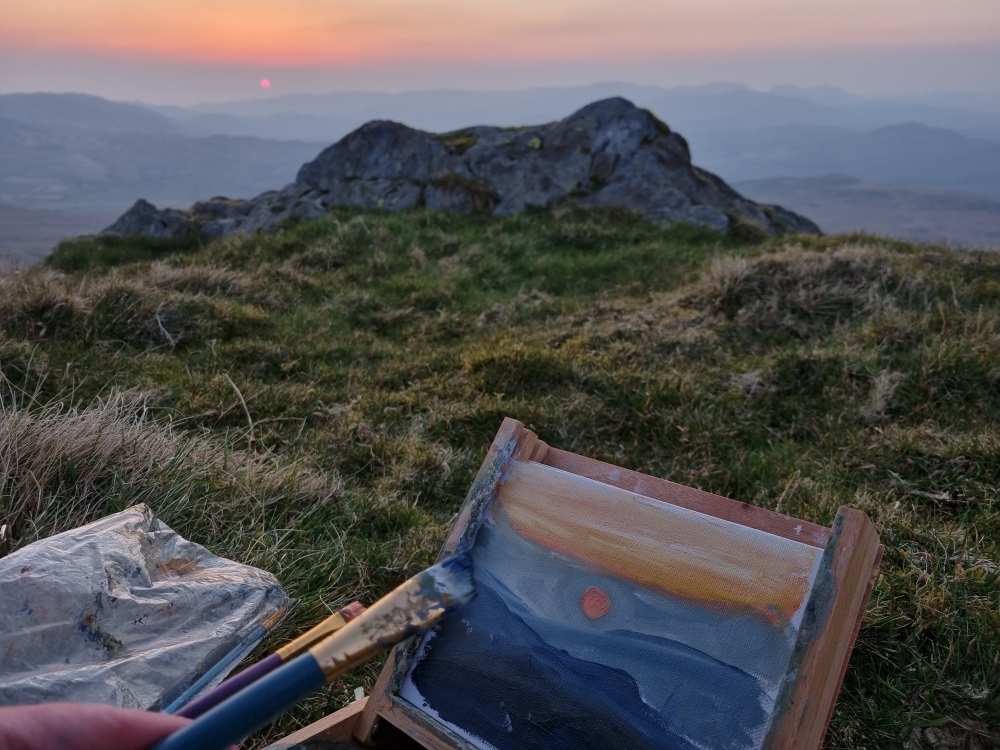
[316, 402]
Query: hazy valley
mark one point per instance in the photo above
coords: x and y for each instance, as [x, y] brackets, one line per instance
[844, 204]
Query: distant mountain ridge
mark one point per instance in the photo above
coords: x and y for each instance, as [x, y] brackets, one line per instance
[84, 112]
[688, 108]
[733, 130]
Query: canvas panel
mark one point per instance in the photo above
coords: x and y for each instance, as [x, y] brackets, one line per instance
[608, 619]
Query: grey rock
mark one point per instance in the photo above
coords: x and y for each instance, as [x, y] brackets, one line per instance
[378, 193]
[448, 200]
[308, 210]
[264, 219]
[379, 151]
[146, 220]
[220, 208]
[219, 228]
[791, 221]
[461, 195]
[610, 153]
[223, 217]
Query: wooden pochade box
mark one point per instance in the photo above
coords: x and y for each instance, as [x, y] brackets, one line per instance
[622, 584]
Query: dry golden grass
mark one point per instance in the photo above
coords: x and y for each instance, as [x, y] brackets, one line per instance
[162, 306]
[61, 467]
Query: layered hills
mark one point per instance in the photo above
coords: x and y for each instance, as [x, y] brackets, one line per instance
[84, 155]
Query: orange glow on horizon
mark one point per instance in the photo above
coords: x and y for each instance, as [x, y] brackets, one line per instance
[315, 32]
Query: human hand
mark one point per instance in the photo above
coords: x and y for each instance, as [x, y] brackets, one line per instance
[72, 726]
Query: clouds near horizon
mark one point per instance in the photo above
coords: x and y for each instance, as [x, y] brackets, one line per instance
[319, 32]
[188, 50]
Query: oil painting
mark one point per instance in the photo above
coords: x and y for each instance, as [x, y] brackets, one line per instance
[608, 619]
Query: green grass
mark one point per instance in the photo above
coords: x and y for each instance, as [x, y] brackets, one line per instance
[105, 251]
[377, 355]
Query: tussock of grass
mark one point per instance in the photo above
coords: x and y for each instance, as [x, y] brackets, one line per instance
[106, 251]
[795, 287]
[62, 467]
[331, 435]
[163, 307]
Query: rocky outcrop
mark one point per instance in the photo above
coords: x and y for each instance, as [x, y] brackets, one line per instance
[221, 217]
[146, 220]
[610, 153]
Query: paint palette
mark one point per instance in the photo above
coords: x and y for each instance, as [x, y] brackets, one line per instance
[619, 610]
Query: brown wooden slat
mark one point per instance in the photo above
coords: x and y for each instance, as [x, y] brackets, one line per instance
[826, 635]
[337, 727]
[854, 638]
[541, 448]
[526, 444]
[420, 727]
[688, 497]
[366, 721]
[508, 440]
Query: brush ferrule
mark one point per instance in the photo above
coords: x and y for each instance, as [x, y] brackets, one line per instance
[330, 625]
[415, 605]
[412, 607]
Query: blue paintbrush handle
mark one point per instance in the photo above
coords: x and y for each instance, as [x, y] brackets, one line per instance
[223, 664]
[250, 709]
[229, 687]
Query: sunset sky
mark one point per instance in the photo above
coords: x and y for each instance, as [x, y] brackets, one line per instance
[222, 49]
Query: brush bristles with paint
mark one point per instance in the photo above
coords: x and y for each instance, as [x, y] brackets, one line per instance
[415, 605]
[268, 664]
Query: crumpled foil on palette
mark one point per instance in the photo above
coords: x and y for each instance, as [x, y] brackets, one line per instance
[125, 612]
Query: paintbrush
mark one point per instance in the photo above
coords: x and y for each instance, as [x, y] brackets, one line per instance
[417, 604]
[248, 676]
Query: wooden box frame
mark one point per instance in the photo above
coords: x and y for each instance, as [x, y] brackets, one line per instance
[851, 557]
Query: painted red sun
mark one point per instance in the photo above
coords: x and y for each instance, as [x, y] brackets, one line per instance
[595, 603]
[265, 83]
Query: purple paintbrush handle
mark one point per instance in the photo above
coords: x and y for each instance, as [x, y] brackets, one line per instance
[233, 685]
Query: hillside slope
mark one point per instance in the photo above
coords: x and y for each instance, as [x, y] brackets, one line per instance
[317, 401]
[82, 154]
